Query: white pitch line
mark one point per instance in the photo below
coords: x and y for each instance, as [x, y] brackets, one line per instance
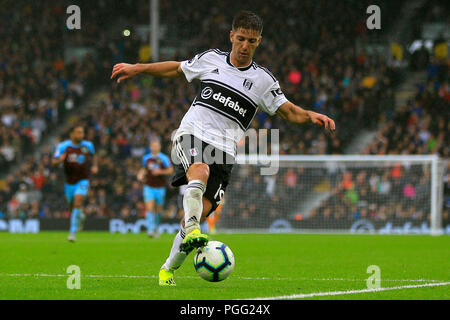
[194, 277]
[336, 293]
[339, 279]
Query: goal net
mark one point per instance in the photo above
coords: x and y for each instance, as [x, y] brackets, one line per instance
[335, 194]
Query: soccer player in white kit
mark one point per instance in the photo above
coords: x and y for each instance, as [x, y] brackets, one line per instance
[233, 87]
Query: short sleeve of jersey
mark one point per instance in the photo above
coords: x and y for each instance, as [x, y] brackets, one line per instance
[272, 99]
[165, 160]
[90, 146]
[144, 160]
[195, 67]
[59, 150]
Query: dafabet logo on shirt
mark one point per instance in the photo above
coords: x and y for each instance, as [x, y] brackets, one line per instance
[207, 93]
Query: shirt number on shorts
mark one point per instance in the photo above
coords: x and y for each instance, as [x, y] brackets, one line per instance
[220, 193]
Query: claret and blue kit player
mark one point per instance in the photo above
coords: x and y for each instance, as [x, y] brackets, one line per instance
[79, 161]
[156, 167]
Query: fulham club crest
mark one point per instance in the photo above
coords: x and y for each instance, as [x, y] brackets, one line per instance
[193, 152]
[247, 84]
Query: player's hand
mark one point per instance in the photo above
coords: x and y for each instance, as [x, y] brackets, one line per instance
[94, 169]
[322, 120]
[62, 157]
[141, 176]
[124, 71]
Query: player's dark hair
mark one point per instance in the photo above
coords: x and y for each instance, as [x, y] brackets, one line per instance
[247, 20]
[72, 128]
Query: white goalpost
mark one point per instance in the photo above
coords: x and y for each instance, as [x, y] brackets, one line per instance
[390, 194]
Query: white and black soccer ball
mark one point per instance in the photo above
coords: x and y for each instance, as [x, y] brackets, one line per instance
[214, 262]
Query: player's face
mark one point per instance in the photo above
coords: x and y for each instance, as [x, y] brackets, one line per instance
[77, 135]
[244, 43]
[155, 147]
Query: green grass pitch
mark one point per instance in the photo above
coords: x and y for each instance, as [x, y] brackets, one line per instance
[125, 266]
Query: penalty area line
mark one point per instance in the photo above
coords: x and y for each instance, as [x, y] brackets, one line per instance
[337, 293]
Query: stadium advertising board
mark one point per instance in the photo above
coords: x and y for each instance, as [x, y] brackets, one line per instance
[358, 226]
[172, 225]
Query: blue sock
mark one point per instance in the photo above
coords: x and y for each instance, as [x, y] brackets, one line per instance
[74, 220]
[157, 217]
[150, 221]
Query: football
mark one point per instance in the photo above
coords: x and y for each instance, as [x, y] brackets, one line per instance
[214, 262]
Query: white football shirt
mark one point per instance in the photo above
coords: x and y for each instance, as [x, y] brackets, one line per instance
[228, 100]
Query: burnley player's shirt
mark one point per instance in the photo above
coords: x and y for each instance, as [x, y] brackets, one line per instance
[150, 162]
[78, 159]
[228, 100]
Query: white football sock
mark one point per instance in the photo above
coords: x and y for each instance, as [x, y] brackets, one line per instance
[193, 204]
[176, 256]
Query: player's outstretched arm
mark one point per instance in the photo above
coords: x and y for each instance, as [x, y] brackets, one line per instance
[166, 69]
[94, 168]
[295, 114]
[57, 160]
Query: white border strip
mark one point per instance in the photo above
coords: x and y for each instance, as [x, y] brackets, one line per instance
[336, 293]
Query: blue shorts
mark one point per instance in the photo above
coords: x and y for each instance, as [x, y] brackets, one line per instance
[81, 187]
[157, 194]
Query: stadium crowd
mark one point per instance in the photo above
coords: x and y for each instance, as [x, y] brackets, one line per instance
[318, 69]
[421, 126]
[38, 87]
